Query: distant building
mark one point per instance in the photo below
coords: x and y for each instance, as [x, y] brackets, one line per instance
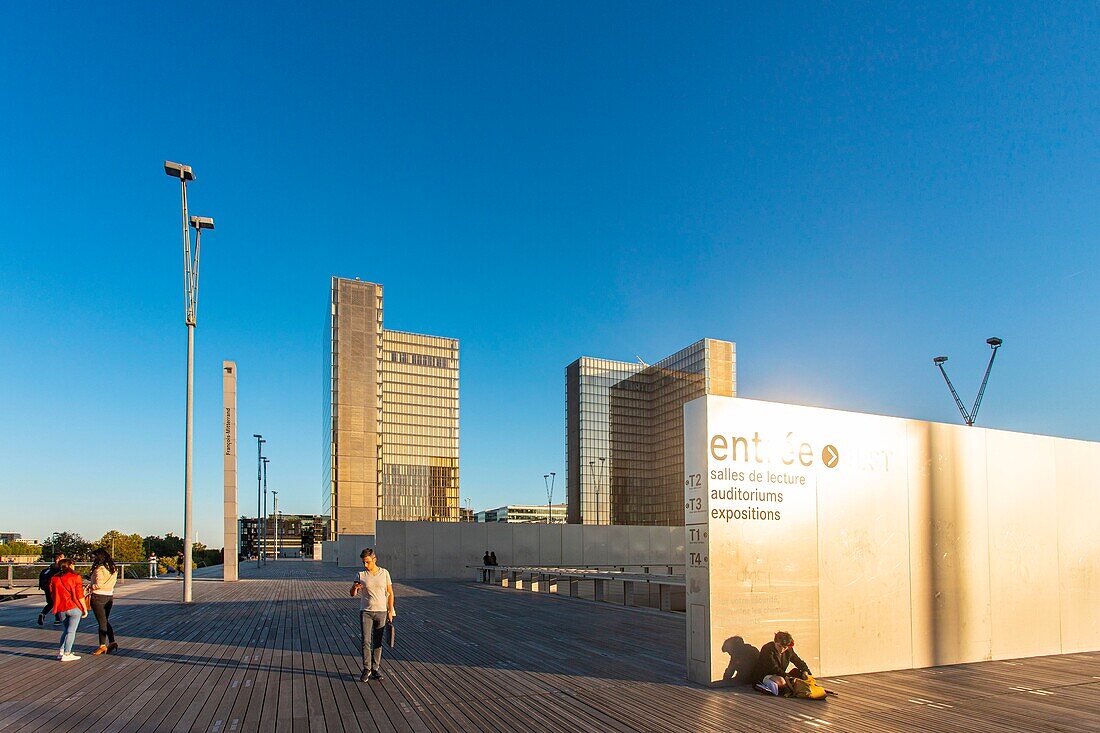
[390, 418]
[523, 513]
[298, 533]
[625, 432]
[467, 515]
[6, 537]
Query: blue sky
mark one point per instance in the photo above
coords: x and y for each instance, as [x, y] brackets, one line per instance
[844, 190]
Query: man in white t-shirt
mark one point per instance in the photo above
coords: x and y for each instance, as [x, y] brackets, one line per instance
[373, 585]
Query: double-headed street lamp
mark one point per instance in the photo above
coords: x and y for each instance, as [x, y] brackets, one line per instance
[549, 494]
[191, 302]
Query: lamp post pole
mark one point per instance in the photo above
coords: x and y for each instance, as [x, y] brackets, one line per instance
[275, 494]
[598, 488]
[266, 461]
[549, 494]
[592, 478]
[191, 296]
[259, 462]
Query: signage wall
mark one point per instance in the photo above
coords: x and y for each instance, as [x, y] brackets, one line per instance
[883, 543]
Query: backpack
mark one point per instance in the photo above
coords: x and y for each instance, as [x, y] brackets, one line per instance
[807, 688]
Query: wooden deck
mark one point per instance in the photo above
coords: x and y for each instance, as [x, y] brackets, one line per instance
[280, 651]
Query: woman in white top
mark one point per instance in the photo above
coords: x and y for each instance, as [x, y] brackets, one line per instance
[102, 589]
[376, 590]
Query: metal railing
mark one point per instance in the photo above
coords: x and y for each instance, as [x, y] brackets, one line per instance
[29, 577]
[670, 587]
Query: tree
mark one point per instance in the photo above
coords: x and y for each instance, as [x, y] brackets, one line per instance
[164, 547]
[70, 543]
[123, 547]
[19, 549]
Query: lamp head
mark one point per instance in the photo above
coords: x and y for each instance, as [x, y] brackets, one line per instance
[939, 360]
[994, 342]
[202, 222]
[179, 170]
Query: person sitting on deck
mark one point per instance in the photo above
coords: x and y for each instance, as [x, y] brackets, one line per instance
[768, 673]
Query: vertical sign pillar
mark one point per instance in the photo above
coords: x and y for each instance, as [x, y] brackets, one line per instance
[229, 419]
[697, 542]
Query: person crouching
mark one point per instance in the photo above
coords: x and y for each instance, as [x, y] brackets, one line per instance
[768, 674]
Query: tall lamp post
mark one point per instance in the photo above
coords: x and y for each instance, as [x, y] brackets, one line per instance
[549, 494]
[592, 478]
[259, 463]
[275, 494]
[599, 487]
[190, 297]
[266, 461]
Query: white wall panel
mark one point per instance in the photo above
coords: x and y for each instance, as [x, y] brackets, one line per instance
[498, 538]
[595, 544]
[1023, 545]
[448, 559]
[572, 544]
[550, 542]
[948, 544]
[525, 544]
[1079, 544]
[419, 550]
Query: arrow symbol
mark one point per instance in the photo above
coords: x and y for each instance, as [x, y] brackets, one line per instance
[830, 456]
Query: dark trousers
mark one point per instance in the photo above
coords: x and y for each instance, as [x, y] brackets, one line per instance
[101, 607]
[373, 626]
[48, 606]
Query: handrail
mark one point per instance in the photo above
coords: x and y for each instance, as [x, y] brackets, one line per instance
[582, 572]
[33, 582]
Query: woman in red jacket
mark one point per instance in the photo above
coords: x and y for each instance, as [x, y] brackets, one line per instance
[67, 589]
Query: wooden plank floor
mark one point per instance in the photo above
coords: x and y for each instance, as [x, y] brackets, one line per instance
[280, 651]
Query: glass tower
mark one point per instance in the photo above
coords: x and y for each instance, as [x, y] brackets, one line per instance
[630, 415]
[419, 427]
[588, 383]
[390, 418]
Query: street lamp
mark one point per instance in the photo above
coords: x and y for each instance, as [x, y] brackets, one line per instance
[276, 512]
[599, 487]
[259, 461]
[266, 461]
[549, 494]
[969, 417]
[592, 479]
[191, 297]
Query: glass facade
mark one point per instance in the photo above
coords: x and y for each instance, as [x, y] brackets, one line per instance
[588, 383]
[390, 418]
[631, 416]
[419, 427]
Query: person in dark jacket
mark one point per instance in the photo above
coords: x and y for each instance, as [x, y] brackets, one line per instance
[768, 673]
[44, 584]
[485, 561]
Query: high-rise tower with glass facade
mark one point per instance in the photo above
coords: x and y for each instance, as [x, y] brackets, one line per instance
[625, 432]
[390, 418]
[588, 383]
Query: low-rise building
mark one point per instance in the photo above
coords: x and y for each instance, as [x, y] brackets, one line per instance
[524, 513]
[286, 535]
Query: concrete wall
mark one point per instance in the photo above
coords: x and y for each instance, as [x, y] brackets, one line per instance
[895, 544]
[330, 551]
[443, 549]
[348, 547]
